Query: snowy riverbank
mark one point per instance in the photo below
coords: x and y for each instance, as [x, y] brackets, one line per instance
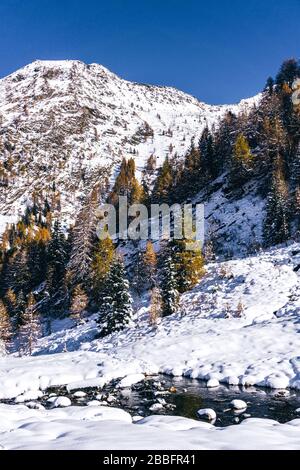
[110, 428]
[209, 338]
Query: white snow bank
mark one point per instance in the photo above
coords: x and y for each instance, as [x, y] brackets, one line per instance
[96, 427]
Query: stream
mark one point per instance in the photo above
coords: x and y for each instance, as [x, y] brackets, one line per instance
[183, 397]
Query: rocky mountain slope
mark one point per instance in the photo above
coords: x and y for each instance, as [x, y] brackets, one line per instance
[65, 125]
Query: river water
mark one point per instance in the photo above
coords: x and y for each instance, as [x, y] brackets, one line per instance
[183, 397]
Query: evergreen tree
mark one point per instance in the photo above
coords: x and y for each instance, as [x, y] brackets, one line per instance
[36, 257]
[276, 224]
[57, 256]
[169, 291]
[19, 275]
[116, 308]
[5, 328]
[29, 331]
[11, 302]
[289, 71]
[269, 86]
[209, 166]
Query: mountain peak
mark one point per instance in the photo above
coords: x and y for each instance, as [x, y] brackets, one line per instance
[66, 122]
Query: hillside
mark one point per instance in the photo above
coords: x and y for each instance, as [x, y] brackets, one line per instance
[65, 126]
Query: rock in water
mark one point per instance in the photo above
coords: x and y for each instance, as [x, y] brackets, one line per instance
[156, 407]
[207, 413]
[62, 402]
[213, 383]
[238, 404]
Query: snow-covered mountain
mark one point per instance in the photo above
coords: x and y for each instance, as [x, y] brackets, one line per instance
[69, 123]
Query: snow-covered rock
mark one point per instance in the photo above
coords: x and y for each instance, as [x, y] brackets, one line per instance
[79, 394]
[212, 383]
[156, 407]
[238, 404]
[207, 413]
[130, 380]
[62, 402]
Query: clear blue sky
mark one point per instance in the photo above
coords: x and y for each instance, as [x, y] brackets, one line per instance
[219, 51]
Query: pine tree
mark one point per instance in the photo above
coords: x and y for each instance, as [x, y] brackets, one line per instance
[116, 308]
[11, 302]
[169, 291]
[79, 303]
[276, 224]
[19, 275]
[57, 257]
[36, 257]
[139, 280]
[269, 85]
[29, 331]
[289, 71]
[5, 328]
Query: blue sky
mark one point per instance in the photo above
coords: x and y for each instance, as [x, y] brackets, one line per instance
[219, 51]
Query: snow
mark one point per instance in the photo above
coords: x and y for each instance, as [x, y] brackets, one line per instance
[96, 427]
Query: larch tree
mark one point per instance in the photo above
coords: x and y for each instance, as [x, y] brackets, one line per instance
[189, 264]
[242, 161]
[150, 264]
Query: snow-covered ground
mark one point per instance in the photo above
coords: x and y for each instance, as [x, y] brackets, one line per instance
[240, 325]
[95, 427]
